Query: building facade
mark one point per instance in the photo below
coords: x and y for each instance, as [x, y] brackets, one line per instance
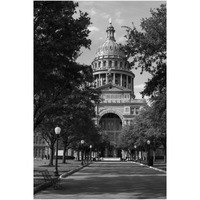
[41, 148]
[112, 75]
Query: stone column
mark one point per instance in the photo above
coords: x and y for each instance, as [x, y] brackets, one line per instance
[99, 81]
[121, 80]
[113, 64]
[106, 78]
[126, 81]
[114, 78]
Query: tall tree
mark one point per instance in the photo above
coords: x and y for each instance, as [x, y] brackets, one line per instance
[60, 83]
[58, 37]
[148, 50]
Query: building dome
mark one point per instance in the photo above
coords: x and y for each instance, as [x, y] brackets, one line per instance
[110, 48]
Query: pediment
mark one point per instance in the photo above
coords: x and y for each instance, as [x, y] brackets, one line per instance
[113, 87]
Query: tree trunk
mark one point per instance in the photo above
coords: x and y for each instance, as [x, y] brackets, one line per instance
[51, 155]
[64, 152]
[165, 159]
[154, 155]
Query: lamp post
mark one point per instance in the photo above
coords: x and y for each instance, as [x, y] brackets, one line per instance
[57, 131]
[135, 151]
[82, 142]
[148, 153]
[90, 152]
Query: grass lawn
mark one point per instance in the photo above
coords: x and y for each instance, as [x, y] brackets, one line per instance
[40, 164]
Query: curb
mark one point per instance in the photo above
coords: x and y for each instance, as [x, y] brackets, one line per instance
[151, 167]
[72, 171]
[46, 185]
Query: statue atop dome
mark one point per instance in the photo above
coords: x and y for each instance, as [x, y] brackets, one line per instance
[110, 21]
[110, 31]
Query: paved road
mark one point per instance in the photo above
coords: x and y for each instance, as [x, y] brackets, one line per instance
[115, 180]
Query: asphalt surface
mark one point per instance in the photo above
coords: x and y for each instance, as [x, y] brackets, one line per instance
[110, 180]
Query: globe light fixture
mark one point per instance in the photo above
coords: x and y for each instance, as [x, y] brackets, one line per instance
[82, 143]
[90, 152]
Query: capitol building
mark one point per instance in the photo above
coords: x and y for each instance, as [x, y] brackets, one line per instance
[115, 80]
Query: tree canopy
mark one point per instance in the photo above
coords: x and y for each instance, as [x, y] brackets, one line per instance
[62, 95]
[147, 48]
[58, 37]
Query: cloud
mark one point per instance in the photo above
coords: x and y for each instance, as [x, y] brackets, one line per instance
[119, 21]
[93, 28]
[105, 15]
[92, 11]
[121, 39]
[139, 87]
[137, 95]
[118, 14]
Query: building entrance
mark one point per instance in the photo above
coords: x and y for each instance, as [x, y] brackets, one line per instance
[111, 126]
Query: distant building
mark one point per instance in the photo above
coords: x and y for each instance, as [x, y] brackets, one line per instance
[41, 148]
[113, 77]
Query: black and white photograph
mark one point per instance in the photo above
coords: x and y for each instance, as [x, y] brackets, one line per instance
[100, 100]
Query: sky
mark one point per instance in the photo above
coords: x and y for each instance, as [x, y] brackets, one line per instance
[122, 13]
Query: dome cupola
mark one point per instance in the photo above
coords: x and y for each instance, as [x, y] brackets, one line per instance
[110, 48]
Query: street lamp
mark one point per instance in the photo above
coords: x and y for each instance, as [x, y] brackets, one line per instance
[90, 153]
[135, 151]
[148, 154]
[82, 142]
[57, 131]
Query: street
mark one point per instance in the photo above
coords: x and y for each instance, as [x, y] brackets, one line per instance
[110, 180]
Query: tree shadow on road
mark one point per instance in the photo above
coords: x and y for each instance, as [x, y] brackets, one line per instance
[140, 187]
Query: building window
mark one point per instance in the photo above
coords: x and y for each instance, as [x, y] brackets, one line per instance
[104, 63]
[115, 63]
[121, 64]
[110, 63]
[99, 64]
[127, 109]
